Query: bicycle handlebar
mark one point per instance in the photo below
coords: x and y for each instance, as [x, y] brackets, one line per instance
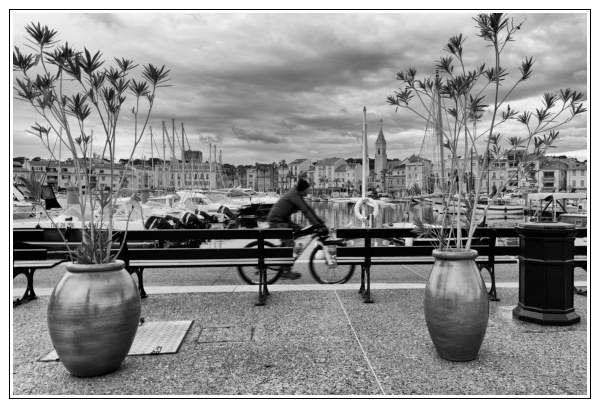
[312, 229]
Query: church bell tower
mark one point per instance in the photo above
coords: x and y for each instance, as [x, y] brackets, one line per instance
[380, 155]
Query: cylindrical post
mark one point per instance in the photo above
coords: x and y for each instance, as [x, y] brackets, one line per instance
[546, 273]
[365, 170]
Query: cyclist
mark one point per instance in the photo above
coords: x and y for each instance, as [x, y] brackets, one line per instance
[279, 217]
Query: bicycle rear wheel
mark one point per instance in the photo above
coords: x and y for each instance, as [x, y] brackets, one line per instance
[329, 274]
[250, 275]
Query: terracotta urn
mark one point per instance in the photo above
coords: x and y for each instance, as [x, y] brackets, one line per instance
[456, 305]
[93, 316]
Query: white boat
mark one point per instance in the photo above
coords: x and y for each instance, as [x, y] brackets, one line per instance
[128, 214]
[246, 205]
[183, 201]
[554, 204]
[500, 206]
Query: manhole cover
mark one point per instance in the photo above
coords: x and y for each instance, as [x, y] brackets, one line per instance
[225, 334]
[151, 338]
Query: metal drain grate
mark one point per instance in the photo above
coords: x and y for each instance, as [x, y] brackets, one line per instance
[151, 338]
[225, 334]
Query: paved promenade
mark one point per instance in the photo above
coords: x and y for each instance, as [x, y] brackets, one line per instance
[311, 340]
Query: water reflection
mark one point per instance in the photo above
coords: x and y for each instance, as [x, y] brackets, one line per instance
[340, 215]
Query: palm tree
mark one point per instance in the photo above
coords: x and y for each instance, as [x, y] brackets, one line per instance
[282, 166]
[336, 181]
[289, 178]
[322, 180]
[327, 185]
[350, 188]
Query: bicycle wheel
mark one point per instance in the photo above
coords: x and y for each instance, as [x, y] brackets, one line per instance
[329, 274]
[250, 275]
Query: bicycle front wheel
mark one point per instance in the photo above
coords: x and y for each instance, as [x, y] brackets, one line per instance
[328, 274]
[250, 274]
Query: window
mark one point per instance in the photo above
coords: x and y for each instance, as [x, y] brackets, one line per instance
[574, 172]
[573, 183]
[582, 183]
[583, 172]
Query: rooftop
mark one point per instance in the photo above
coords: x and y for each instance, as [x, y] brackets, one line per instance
[298, 161]
[330, 161]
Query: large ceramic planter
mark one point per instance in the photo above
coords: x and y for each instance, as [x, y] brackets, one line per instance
[93, 317]
[456, 305]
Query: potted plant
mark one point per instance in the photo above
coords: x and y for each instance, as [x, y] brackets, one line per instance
[456, 302]
[94, 310]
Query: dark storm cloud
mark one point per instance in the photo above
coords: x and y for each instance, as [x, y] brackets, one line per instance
[106, 19]
[256, 82]
[255, 135]
[288, 125]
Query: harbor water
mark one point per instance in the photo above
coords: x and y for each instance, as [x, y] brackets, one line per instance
[341, 215]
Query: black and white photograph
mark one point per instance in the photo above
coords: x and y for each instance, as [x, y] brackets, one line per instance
[300, 203]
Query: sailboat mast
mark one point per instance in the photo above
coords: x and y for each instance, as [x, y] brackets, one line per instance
[164, 159]
[152, 154]
[440, 133]
[182, 157]
[59, 155]
[365, 159]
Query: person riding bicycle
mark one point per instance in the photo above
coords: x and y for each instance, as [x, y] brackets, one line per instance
[279, 217]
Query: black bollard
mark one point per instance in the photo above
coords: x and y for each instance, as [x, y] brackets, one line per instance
[546, 274]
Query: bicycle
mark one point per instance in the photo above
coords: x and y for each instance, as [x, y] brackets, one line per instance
[322, 262]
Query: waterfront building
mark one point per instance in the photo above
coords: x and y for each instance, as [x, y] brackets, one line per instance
[397, 180]
[263, 177]
[297, 168]
[418, 170]
[348, 176]
[325, 171]
[551, 175]
[577, 177]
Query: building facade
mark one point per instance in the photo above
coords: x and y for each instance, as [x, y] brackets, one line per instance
[577, 177]
[325, 171]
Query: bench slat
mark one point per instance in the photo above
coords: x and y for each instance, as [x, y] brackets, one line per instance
[208, 263]
[199, 254]
[407, 232]
[29, 254]
[222, 234]
[33, 234]
[47, 264]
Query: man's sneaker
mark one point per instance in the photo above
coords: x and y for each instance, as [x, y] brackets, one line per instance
[290, 275]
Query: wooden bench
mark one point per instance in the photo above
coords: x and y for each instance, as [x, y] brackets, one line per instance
[139, 259]
[29, 258]
[490, 254]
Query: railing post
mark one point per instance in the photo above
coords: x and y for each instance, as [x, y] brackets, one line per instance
[546, 264]
[262, 273]
[367, 293]
[492, 267]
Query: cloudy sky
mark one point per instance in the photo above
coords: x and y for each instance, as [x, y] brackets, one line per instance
[267, 87]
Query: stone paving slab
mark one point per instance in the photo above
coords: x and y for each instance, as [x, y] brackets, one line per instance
[316, 343]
